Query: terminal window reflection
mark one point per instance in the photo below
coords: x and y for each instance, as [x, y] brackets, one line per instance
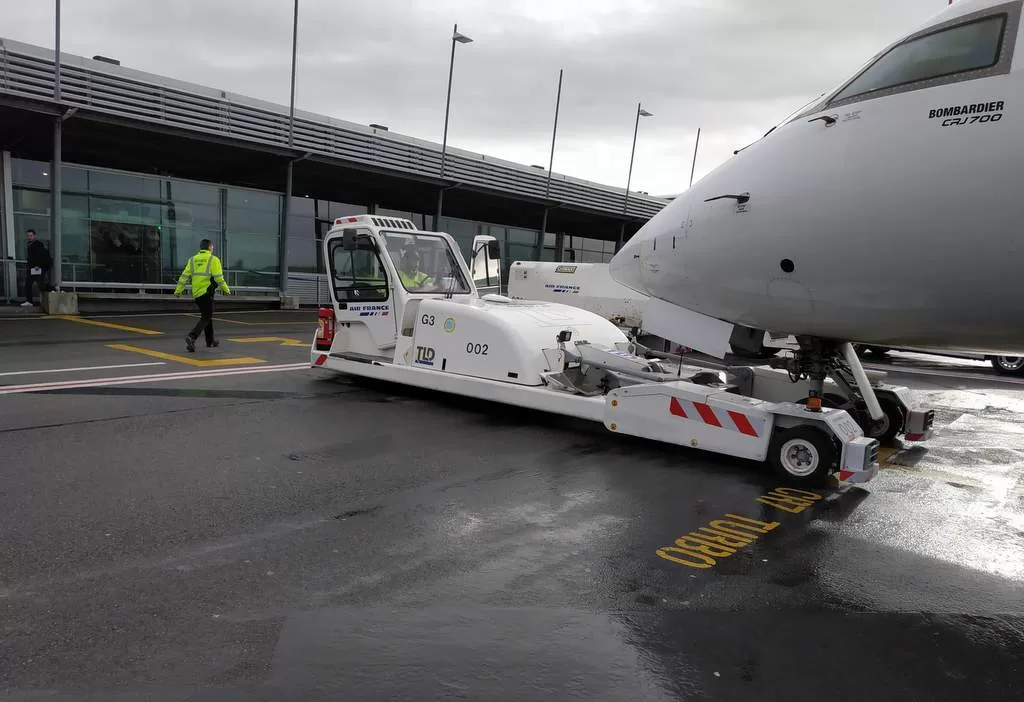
[128, 228]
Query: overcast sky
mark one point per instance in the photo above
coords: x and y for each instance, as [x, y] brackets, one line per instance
[733, 67]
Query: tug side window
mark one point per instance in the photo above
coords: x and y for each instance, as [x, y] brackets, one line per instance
[358, 275]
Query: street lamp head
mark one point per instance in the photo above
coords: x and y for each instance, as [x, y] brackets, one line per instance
[645, 113]
[461, 38]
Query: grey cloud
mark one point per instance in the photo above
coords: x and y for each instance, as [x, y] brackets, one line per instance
[736, 67]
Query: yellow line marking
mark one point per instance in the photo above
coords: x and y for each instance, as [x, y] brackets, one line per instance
[208, 363]
[107, 325]
[311, 324]
[285, 341]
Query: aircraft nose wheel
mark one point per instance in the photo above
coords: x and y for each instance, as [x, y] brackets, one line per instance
[889, 426]
[801, 455]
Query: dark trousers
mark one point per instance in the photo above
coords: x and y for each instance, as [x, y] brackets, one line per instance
[31, 280]
[205, 303]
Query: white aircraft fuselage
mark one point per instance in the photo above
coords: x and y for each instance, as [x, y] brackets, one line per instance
[891, 212]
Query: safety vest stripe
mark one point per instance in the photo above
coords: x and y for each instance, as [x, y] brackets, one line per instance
[200, 274]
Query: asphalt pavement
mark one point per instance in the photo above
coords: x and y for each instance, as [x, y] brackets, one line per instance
[233, 525]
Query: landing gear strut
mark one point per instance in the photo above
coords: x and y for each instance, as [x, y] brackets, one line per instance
[821, 358]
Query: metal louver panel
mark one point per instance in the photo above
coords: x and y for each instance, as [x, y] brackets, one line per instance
[28, 72]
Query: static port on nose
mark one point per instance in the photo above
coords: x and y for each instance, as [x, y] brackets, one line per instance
[786, 265]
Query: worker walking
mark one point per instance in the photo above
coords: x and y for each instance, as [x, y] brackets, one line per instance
[202, 270]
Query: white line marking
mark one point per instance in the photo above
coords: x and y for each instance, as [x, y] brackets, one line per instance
[84, 368]
[155, 378]
[190, 312]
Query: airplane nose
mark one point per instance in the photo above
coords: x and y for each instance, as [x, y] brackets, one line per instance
[624, 267]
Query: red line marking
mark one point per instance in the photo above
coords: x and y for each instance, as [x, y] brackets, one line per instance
[845, 474]
[707, 414]
[675, 408]
[742, 423]
[321, 360]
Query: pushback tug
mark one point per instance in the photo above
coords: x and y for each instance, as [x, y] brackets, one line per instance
[405, 309]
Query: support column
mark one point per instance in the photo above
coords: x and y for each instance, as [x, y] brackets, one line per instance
[559, 246]
[56, 187]
[440, 208]
[622, 238]
[7, 241]
[538, 252]
[282, 255]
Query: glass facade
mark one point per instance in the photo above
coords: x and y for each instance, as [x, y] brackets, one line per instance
[516, 244]
[129, 232]
[580, 249]
[521, 244]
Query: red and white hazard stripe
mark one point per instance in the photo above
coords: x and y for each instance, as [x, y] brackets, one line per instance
[729, 420]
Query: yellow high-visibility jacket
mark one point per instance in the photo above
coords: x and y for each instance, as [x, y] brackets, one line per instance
[414, 280]
[200, 270]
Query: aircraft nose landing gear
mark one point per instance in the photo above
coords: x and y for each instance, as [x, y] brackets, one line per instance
[819, 359]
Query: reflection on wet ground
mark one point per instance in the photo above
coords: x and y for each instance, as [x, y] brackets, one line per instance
[280, 537]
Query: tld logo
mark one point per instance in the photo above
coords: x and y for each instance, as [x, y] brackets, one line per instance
[425, 355]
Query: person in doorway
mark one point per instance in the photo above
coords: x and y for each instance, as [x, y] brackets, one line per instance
[412, 277]
[37, 271]
[203, 270]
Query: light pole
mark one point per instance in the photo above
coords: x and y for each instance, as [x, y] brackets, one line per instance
[57, 166]
[694, 166]
[554, 133]
[282, 248]
[295, 46]
[640, 112]
[457, 38]
[551, 163]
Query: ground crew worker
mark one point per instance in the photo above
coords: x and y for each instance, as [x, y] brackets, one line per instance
[202, 269]
[410, 273]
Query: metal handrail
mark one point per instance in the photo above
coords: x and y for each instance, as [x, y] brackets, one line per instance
[230, 275]
[27, 71]
[156, 286]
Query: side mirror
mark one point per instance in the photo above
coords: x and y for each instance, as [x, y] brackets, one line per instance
[348, 239]
[493, 249]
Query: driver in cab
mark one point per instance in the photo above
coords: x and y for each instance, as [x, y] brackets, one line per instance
[412, 277]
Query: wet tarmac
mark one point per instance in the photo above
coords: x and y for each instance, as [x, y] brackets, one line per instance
[256, 530]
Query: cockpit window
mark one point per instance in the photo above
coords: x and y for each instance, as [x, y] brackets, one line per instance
[968, 47]
[425, 263]
[973, 46]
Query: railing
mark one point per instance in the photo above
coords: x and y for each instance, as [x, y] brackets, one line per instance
[77, 282]
[155, 288]
[27, 71]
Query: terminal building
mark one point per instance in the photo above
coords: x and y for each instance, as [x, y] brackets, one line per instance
[149, 166]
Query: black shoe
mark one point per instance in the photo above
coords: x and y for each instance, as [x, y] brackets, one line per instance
[216, 342]
[190, 344]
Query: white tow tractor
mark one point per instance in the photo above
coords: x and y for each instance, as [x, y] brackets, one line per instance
[405, 309]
